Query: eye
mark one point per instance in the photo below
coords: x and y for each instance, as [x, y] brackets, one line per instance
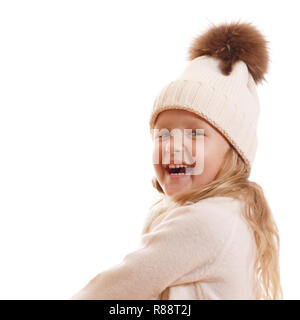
[197, 133]
[163, 135]
[158, 134]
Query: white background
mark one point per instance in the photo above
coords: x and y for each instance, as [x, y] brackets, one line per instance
[77, 83]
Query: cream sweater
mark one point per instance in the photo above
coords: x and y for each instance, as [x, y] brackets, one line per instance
[200, 251]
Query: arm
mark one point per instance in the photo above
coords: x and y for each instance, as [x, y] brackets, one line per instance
[186, 238]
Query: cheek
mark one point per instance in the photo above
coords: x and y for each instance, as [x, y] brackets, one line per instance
[197, 150]
[205, 153]
[161, 153]
[155, 148]
[156, 154]
[213, 157]
[156, 160]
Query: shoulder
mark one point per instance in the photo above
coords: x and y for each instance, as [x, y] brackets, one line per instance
[212, 219]
[212, 210]
[218, 203]
[222, 219]
[220, 207]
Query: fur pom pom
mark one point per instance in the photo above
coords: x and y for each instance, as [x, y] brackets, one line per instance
[232, 42]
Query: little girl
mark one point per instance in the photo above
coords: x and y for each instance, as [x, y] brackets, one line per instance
[211, 235]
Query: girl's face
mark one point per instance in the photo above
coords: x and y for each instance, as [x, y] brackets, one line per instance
[203, 150]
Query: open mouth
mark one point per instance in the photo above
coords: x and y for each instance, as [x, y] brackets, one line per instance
[178, 169]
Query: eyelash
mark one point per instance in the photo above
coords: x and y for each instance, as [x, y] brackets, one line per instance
[192, 133]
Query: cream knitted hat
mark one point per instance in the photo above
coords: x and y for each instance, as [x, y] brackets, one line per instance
[219, 84]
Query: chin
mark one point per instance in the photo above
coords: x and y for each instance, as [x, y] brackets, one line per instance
[172, 192]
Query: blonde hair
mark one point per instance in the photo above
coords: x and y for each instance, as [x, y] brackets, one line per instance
[232, 180]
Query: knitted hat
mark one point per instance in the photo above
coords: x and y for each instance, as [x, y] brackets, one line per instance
[219, 84]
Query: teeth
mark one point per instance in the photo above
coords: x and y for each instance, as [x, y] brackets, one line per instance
[177, 166]
[181, 173]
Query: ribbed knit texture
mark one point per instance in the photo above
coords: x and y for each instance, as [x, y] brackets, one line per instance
[229, 103]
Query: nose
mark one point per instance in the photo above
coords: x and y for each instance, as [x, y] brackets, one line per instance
[175, 143]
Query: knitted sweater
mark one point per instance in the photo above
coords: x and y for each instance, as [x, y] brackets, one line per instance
[200, 251]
